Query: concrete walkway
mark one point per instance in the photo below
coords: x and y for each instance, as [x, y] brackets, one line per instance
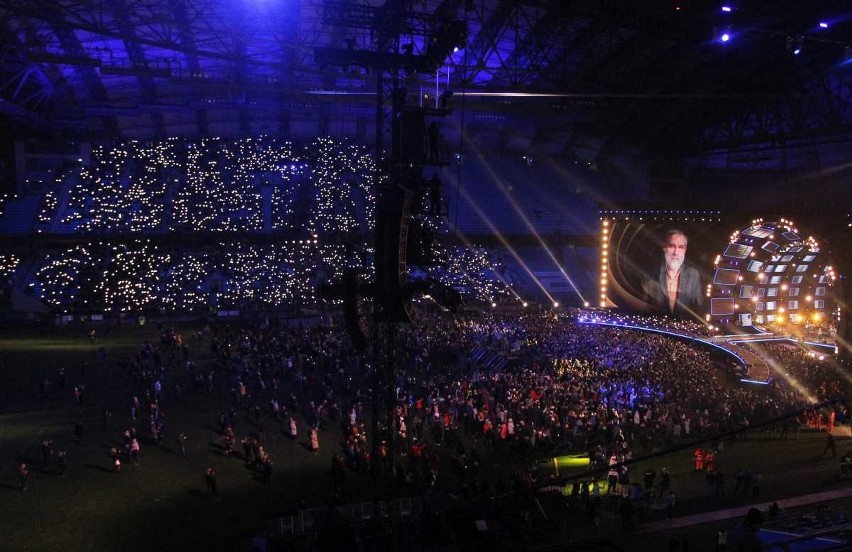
[740, 511]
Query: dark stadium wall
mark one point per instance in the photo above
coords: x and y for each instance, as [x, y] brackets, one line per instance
[8, 171]
[820, 193]
[528, 194]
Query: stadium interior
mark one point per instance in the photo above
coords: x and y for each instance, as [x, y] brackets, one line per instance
[451, 226]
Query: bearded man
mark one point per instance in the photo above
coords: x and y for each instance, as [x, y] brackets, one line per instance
[677, 288]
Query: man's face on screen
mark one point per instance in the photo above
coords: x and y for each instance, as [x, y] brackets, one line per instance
[675, 251]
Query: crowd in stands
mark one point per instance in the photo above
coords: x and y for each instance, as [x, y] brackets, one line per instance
[8, 264]
[3, 199]
[142, 276]
[315, 197]
[215, 185]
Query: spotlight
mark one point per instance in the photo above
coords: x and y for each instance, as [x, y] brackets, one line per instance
[823, 25]
[795, 46]
[556, 304]
[450, 37]
[722, 34]
[726, 9]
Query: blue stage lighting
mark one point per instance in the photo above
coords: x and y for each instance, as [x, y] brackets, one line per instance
[726, 9]
[726, 36]
[823, 25]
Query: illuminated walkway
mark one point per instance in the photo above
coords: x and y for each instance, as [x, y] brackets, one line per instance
[757, 369]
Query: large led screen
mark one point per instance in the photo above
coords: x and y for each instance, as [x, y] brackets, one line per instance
[662, 267]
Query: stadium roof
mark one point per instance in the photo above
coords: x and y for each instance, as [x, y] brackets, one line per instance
[573, 77]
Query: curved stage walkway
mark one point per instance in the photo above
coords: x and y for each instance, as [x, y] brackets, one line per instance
[756, 369]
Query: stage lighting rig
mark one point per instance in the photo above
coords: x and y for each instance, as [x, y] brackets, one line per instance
[390, 22]
[450, 37]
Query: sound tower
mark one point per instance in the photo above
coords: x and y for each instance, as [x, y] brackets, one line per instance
[393, 212]
[354, 318]
[392, 219]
